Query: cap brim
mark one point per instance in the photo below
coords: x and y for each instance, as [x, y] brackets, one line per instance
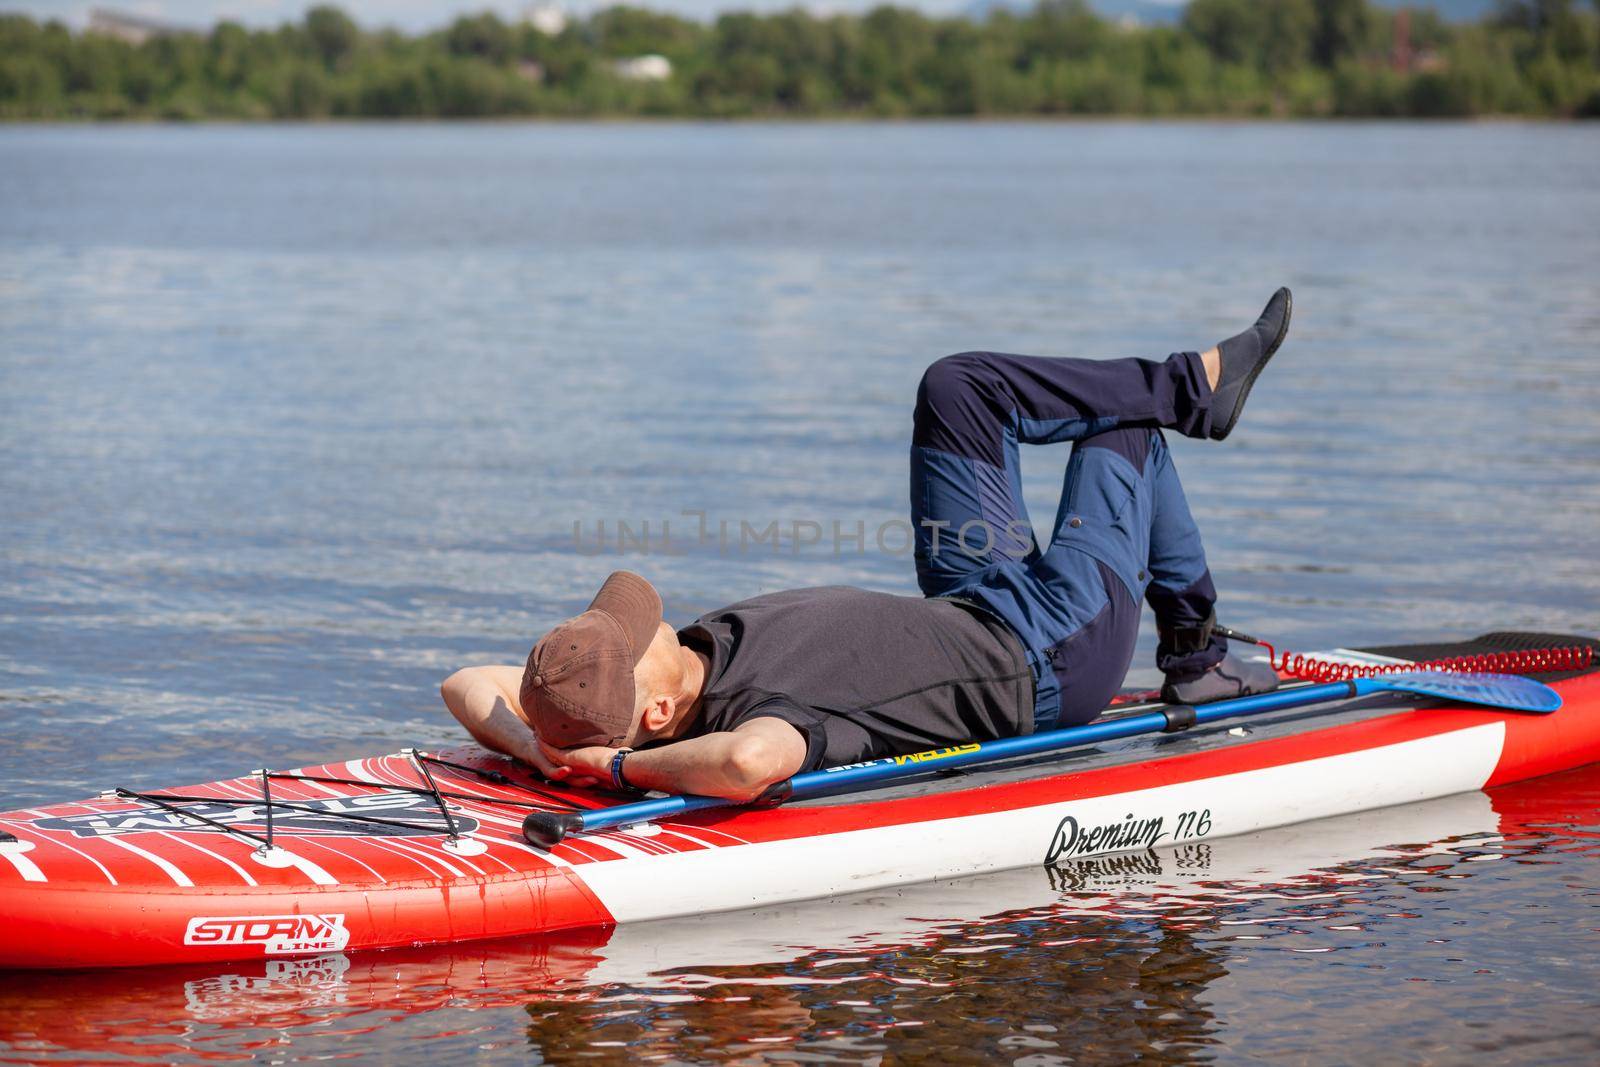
[636, 606]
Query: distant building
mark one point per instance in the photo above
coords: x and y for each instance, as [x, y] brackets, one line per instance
[548, 19]
[134, 29]
[651, 68]
[1406, 59]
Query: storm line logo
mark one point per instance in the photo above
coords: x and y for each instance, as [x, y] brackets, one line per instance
[323, 820]
[278, 935]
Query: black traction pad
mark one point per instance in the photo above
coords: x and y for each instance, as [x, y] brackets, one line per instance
[1498, 641]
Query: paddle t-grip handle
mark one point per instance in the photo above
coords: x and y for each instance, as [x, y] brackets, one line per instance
[547, 829]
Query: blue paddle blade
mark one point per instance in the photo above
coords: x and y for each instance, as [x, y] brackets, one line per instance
[1495, 690]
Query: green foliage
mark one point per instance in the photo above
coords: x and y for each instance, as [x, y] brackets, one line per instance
[1228, 28]
[1346, 29]
[482, 36]
[332, 34]
[1227, 57]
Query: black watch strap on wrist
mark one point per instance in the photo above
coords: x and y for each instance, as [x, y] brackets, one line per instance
[618, 781]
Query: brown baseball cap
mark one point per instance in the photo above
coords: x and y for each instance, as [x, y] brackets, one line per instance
[578, 686]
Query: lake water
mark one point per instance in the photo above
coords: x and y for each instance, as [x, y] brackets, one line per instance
[280, 415]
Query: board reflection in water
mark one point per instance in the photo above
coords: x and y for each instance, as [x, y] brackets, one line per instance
[1107, 959]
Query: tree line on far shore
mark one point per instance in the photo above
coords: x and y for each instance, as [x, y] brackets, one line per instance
[1225, 57]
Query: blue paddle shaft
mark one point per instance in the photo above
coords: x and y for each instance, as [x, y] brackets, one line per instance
[548, 828]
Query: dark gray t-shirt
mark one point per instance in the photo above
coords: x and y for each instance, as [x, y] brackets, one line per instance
[861, 674]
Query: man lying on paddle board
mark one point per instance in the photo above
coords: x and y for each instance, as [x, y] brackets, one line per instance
[1010, 637]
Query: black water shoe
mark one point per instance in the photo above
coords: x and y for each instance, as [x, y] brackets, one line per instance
[1232, 677]
[1243, 357]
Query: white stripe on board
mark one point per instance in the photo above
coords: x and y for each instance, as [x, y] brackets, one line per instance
[307, 842]
[177, 876]
[300, 863]
[413, 849]
[642, 842]
[702, 834]
[383, 844]
[379, 843]
[515, 840]
[12, 851]
[608, 839]
[486, 854]
[311, 842]
[522, 846]
[684, 883]
[70, 848]
[314, 872]
[358, 770]
[214, 855]
[435, 853]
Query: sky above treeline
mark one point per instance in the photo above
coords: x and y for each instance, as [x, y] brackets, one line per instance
[419, 14]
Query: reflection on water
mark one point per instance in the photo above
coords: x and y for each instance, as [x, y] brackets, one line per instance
[1395, 934]
[1001, 988]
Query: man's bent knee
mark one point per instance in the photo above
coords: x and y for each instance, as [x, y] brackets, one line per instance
[949, 378]
[960, 407]
[1132, 443]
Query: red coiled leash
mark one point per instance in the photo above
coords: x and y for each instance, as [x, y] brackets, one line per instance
[1519, 661]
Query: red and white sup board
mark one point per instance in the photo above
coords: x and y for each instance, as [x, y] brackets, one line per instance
[572, 975]
[365, 854]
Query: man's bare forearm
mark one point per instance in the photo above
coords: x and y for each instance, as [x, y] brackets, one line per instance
[482, 707]
[738, 765]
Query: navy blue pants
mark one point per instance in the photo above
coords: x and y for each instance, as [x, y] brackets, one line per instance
[1122, 531]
